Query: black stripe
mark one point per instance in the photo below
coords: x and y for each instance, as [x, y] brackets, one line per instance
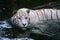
[45, 14]
[57, 15]
[38, 16]
[42, 15]
[51, 14]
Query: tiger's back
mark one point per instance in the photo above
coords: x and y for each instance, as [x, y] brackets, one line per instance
[47, 21]
[45, 15]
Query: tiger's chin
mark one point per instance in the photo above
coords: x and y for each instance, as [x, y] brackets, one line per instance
[23, 27]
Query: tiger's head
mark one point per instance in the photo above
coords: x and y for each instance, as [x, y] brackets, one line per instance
[21, 18]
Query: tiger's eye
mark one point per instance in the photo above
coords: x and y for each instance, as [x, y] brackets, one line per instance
[19, 18]
[25, 17]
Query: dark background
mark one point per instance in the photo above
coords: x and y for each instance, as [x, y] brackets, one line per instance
[7, 6]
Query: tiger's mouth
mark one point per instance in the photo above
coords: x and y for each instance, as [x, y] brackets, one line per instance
[26, 28]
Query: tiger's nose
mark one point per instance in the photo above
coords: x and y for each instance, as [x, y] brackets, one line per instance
[24, 24]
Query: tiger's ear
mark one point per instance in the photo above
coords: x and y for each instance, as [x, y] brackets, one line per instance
[28, 11]
[14, 12]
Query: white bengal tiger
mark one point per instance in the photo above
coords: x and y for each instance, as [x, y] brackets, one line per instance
[25, 17]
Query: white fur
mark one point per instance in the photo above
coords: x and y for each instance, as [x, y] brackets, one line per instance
[36, 16]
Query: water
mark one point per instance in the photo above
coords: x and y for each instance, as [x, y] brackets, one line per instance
[52, 31]
[16, 38]
[5, 25]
